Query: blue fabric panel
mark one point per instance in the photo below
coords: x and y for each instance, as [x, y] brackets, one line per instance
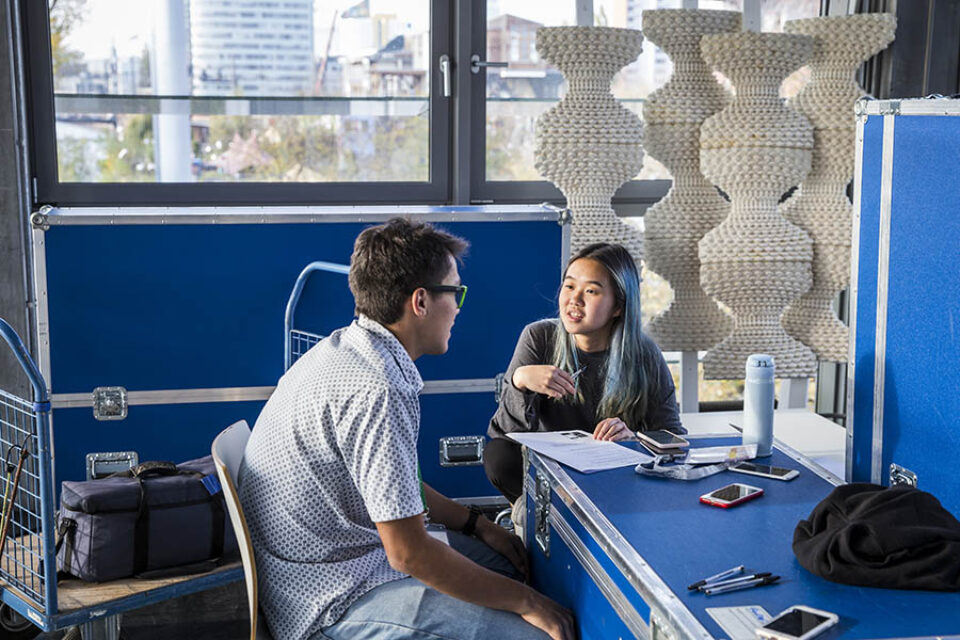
[202, 306]
[921, 418]
[183, 432]
[866, 334]
[684, 540]
[155, 432]
[443, 415]
[562, 578]
[167, 307]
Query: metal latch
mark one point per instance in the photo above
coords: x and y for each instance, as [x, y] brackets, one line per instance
[541, 514]
[109, 403]
[460, 451]
[902, 475]
[100, 465]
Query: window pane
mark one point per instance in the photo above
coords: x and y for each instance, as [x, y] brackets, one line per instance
[519, 94]
[242, 90]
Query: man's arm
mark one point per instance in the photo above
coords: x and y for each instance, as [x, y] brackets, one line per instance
[412, 551]
[454, 515]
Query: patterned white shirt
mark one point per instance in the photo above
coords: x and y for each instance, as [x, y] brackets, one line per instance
[333, 452]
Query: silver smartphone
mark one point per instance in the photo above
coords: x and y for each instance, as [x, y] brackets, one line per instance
[765, 471]
[797, 623]
[659, 440]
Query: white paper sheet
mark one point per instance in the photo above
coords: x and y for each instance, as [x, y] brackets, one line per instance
[579, 450]
[740, 622]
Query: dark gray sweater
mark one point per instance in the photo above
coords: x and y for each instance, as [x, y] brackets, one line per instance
[530, 411]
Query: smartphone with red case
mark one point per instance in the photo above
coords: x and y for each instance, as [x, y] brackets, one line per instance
[731, 495]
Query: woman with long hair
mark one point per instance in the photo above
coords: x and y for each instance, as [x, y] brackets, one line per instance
[592, 368]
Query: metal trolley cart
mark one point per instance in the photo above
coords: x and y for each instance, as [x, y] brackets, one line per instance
[28, 567]
[298, 341]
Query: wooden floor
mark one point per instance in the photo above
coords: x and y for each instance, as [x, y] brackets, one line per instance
[73, 594]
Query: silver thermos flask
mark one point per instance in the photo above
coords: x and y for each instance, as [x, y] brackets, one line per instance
[758, 403]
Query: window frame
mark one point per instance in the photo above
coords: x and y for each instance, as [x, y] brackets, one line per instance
[49, 190]
[457, 141]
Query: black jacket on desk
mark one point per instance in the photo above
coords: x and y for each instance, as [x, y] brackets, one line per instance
[898, 538]
[530, 411]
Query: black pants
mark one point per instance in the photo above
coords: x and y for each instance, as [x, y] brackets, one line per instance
[503, 462]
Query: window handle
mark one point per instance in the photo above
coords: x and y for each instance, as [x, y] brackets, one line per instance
[476, 63]
[446, 75]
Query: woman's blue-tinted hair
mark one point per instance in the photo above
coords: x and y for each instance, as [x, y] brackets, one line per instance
[629, 365]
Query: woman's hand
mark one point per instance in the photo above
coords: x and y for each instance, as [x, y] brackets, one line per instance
[544, 378]
[612, 429]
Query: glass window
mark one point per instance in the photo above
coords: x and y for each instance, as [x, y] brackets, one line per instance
[519, 94]
[241, 90]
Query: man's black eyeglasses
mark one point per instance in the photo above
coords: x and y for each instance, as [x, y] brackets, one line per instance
[460, 291]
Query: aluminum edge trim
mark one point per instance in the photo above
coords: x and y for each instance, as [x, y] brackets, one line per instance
[56, 216]
[468, 385]
[565, 236]
[247, 394]
[43, 308]
[883, 273]
[643, 578]
[42, 318]
[604, 582]
[914, 107]
[818, 469]
[853, 288]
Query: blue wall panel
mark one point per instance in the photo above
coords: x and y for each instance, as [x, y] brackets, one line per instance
[162, 307]
[922, 387]
[921, 395]
[152, 307]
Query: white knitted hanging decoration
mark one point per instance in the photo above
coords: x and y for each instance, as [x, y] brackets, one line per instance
[589, 144]
[672, 118]
[756, 262]
[820, 206]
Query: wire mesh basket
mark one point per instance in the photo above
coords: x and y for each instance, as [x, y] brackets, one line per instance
[27, 549]
[296, 341]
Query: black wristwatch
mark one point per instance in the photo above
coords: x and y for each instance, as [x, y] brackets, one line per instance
[471, 526]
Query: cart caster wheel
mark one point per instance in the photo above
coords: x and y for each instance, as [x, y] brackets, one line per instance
[13, 626]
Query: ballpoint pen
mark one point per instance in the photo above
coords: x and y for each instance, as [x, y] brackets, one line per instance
[758, 582]
[738, 580]
[716, 578]
[577, 373]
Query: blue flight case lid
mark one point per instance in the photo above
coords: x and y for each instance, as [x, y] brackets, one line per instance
[684, 541]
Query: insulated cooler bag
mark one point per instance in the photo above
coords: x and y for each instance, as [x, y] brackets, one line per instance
[155, 519]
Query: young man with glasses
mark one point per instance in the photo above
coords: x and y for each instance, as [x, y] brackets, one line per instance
[330, 482]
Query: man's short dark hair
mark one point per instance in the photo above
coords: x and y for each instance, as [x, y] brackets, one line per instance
[390, 261]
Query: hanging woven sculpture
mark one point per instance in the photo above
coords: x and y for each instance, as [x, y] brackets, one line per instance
[756, 262]
[589, 144]
[820, 206]
[672, 118]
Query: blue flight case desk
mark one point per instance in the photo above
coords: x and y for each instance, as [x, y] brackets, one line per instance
[619, 549]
